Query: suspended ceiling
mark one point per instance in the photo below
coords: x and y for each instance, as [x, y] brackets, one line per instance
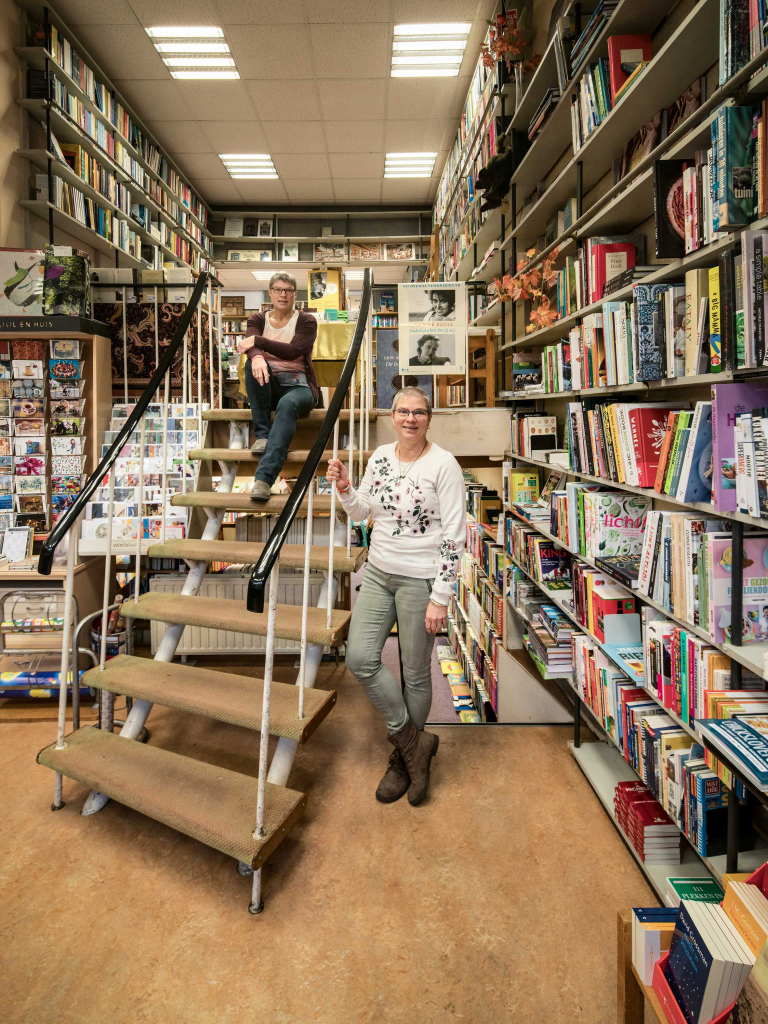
[315, 93]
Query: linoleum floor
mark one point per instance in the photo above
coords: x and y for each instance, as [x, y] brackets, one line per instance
[495, 901]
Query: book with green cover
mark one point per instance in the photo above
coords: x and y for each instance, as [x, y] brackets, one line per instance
[683, 421]
[735, 155]
[705, 890]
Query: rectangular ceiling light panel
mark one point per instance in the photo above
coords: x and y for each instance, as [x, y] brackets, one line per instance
[190, 51]
[249, 165]
[409, 165]
[429, 51]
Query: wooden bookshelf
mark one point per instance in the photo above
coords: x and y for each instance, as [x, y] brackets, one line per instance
[187, 221]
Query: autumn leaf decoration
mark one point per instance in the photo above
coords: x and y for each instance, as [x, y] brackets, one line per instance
[505, 43]
[532, 284]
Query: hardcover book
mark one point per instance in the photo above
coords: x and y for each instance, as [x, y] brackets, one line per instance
[728, 399]
[754, 623]
[648, 426]
[624, 55]
[649, 347]
[669, 208]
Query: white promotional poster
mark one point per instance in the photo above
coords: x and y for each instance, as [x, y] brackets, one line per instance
[433, 327]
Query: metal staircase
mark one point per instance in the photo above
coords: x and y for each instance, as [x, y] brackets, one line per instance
[241, 815]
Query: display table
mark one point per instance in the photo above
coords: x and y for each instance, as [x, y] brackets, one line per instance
[632, 996]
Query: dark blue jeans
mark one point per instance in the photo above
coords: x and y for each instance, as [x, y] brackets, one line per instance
[288, 404]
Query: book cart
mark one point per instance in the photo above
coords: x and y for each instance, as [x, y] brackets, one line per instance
[110, 186]
[685, 48]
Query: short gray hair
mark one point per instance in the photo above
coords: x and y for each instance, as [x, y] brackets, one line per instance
[418, 392]
[283, 275]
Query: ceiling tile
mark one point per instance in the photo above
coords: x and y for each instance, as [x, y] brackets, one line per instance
[180, 136]
[357, 189]
[362, 99]
[268, 192]
[357, 165]
[223, 101]
[346, 12]
[429, 97]
[161, 101]
[283, 100]
[218, 190]
[94, 12]
[124, 51]
[354, 136]
[304, 190]
[260, 12]
[415, 11]
[202, 165]
[295, 138]
[234, 136]
[274, 51]
[175, 12]
[302, 165]
[405, 190]
[351, 51]
[417, 136]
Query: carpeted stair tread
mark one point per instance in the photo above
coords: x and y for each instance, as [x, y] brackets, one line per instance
[214, 805]
[242, 502]
[220, 695]
[234, 617]
[246, 455]
[248, 552]
[244, 415]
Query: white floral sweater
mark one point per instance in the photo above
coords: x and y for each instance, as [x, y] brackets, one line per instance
[419, 519]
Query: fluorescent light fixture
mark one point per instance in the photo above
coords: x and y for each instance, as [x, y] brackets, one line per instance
[192, 51]
[460, 28]
[186, 32]
[409, 165]
[248, 165]
[429, 51]
[206, 74]
[354, 275]
[424, 73]
[198, 62]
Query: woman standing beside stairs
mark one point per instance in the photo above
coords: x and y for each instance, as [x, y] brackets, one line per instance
[414, 491]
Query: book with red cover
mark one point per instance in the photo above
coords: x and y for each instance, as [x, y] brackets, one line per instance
[608, 260]
[648, 427]
[628, 50]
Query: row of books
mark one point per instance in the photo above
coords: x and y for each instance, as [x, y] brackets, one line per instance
[655, 838]
[742, 36]
[95, 174]
[468, 654]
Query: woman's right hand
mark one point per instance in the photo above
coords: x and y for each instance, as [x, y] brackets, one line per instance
[259, 369]
[338, 471]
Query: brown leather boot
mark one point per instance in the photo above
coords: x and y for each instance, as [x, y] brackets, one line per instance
[396, 779]
[418, 748]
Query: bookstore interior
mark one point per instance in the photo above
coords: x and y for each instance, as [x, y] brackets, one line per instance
[223, 228]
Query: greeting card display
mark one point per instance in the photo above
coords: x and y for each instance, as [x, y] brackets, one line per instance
[22, 369]
[64, 369]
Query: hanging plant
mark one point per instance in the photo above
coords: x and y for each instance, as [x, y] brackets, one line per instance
[506, 44]
[532, 284]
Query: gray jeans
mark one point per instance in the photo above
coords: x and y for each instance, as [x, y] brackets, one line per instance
[382, 599]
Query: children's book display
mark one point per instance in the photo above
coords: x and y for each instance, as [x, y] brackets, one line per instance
[165, 448]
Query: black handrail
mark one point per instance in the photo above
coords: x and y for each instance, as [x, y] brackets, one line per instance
[258, 581]
[94, 481]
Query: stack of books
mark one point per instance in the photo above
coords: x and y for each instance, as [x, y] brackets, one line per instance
[552, 657]
[652, 833]
[708, 963]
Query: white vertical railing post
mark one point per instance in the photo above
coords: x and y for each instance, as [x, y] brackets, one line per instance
[184, 418]
[332, 521]
[260, 831]
[363, 403]
[157, 333]
[66, 646]
[199, 315]
[140, 530]
[164, 479]
[211, 401]
[107, 699]
[305, 597]
[351, 463]
[125, 350]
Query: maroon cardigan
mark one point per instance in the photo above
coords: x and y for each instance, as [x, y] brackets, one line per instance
[300, 348]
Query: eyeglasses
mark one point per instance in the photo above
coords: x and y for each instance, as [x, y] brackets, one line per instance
[283, 291]
[418, 414]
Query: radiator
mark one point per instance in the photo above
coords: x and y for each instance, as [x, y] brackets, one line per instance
[196, 640]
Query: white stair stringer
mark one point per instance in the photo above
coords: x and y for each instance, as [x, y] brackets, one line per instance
[166, 651]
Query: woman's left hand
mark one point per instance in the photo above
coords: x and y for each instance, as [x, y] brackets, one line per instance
[436, 618]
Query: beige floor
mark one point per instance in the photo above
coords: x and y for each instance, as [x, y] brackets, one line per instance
[494, 901]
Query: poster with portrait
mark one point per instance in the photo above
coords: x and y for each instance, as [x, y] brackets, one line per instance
[433, 327]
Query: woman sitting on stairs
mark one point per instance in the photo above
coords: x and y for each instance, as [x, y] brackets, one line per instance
[414, 491]
[279, 376]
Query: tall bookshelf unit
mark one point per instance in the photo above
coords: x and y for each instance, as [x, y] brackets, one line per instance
[685, 38]
[143, 213]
